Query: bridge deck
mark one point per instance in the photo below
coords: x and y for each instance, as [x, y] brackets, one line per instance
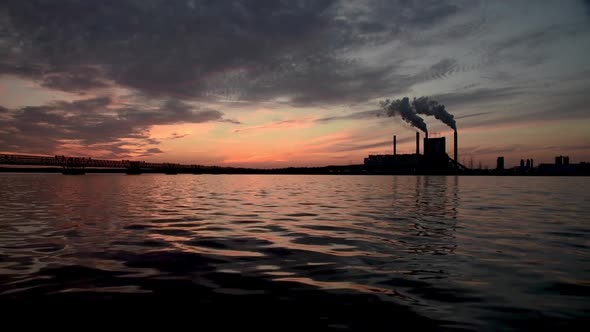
[81, 162]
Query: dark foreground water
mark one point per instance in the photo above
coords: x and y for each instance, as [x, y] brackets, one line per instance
[341, 252]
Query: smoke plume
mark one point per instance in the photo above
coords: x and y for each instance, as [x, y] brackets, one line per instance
[429, 107]
[404, 109]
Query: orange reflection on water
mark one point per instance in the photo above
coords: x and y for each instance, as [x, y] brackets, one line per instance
[340, 285]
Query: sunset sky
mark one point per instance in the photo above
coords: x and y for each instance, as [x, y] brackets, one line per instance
[291, 83]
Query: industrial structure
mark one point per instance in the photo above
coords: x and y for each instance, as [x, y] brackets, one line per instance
[78, 165]
[434, 157]
[562, 160]
[562, 166]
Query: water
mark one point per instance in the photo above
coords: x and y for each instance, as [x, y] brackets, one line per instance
[341, 252]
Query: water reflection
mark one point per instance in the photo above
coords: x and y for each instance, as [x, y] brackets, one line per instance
[427, 242]
[435, 196]
[430, 203]
[91, 220]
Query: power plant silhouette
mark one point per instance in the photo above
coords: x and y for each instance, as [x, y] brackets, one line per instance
[434, 158]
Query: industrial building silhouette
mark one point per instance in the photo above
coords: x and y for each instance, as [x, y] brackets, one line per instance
[434, 158]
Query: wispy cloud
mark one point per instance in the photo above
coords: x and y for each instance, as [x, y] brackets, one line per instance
[372, 114]
[276, 125]
[177, 136]
[472, 115]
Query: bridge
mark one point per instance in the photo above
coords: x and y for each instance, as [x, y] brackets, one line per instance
[77, 165]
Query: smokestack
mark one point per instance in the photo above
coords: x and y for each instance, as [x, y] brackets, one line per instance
[417, 143]
[394, 146]
[455, 152]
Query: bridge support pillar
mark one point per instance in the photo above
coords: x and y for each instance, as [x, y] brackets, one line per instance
[134, 168]
[72, 166]
[170, 169]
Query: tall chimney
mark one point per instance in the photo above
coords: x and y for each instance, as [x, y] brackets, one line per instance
[455, 152]
[394, 146]
[417, 143]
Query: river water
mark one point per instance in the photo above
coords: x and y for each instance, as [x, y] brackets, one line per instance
[327, 252]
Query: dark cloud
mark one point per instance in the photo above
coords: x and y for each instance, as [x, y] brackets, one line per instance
[372, 114]
[250, 50]
[443, 68]
[525, 49]
[171, 112]
[230, 121]
[151, 151]
[478, 96]
[568, 106]
[472, 115]
[95, 123]
[177, 136]
[399, 16]
[81, 79]
[272, 125]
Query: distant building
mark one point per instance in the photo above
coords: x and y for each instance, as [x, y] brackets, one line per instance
[562, 166]
[562, 160]
[500, 164]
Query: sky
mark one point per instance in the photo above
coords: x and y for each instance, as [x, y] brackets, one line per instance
[272, 83]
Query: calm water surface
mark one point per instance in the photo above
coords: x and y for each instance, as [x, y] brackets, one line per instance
[341, 252]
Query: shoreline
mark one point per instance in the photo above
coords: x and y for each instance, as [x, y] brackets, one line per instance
[325, 170]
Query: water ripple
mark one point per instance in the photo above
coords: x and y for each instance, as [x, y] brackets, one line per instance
[441, 252]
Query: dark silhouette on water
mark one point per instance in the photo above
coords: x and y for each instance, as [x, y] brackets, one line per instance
[374, 165]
